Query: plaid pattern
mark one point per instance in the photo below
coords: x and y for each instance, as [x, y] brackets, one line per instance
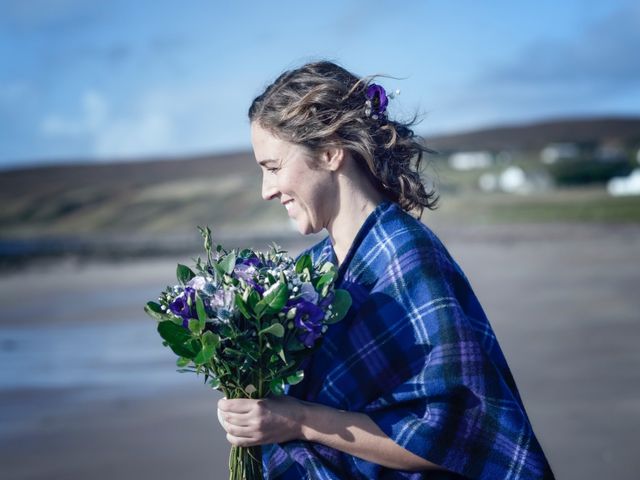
[418, 355]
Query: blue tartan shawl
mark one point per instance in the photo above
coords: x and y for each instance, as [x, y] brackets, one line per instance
[417, 354]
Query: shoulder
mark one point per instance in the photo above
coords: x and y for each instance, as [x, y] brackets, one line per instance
[409, 241]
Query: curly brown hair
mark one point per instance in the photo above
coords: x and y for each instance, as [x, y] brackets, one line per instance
[321, 105]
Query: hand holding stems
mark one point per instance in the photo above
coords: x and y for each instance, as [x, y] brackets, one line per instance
[251, 422]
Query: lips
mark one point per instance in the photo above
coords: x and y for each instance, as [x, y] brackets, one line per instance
[287, 204]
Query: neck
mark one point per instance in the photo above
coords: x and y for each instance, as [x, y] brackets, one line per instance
[354, 206]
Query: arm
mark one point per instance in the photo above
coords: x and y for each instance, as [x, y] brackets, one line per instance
[276, 420]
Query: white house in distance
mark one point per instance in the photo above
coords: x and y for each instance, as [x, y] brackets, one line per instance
[470, 160]
[629, 185]
[555, 152]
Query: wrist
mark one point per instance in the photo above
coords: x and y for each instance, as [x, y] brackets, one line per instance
[307, 412]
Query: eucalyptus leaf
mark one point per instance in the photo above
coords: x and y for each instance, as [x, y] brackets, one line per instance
[295, 378]
[325, 279]
[195, 326]
[252, 299]
[183, 361]
[228, 263]
[184, 274]
[178, 339]
[154, 311]
[274, 299]
[303, 262]
[328, 267]
[202, 313]
[242, 306]
[282, 356]
[204, 355]
[340, 306]
[210, 339]
[276, 329]
[277, 386]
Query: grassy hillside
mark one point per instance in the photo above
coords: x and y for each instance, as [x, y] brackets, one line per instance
[162, 198]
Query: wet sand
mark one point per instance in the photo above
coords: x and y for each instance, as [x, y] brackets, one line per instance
[562, 299]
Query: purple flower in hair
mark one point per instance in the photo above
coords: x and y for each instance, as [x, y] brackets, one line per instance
[377, 100]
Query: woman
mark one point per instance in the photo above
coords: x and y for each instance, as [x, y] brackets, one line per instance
[412, 383]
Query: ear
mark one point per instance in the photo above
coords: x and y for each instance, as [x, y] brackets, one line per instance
[334, 158]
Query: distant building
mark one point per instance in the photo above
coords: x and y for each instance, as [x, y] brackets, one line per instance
[514, 179]
[470, 160]
[629, 185]
[555, 152]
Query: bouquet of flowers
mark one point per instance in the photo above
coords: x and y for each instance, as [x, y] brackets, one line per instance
[247, 321]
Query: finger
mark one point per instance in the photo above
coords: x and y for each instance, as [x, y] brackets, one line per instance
[240, 432]
[238, 419]
[236, 405]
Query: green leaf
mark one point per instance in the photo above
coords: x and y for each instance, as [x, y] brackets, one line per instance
[328, 267]
[228, 263]
[340, 306]
[325, 279]
[303, 262]
[274, 299]
[178, 339]
[184, 274]
[154, 311]
[202, 313]
[214, 382]
[210, 339]
[204, 355]
[294, 345]
[295, 378]
[276, 330]
[183, 361]
[277, 386]
[242, 306]
[195, 326]
[252, 299]
[281, 355]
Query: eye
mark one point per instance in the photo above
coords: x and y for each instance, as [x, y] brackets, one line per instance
[273, 169]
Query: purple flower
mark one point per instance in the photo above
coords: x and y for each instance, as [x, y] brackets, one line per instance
[182, 305]
[308, 319]
[377, 100]
[308, 293]
[246, 268]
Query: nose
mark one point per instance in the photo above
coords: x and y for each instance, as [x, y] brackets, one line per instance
[269, 190]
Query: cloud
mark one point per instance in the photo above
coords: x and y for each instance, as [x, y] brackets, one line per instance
[93, 117]
[603, 59]
[162, 121]
[595, 71]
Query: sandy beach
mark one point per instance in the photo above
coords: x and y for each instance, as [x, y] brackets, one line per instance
[97, 396]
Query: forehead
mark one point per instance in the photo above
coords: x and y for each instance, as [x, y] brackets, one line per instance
[267, 146]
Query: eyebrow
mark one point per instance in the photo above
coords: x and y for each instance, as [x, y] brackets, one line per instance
[265, 161]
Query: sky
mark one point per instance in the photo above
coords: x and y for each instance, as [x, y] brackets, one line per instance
[103, 81]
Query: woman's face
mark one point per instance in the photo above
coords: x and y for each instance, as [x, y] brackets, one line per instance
[308, 194]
